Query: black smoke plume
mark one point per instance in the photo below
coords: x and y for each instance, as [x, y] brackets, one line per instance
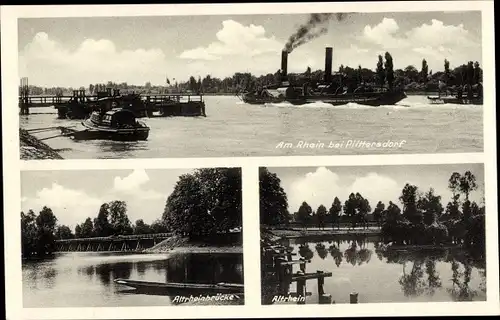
[310, 30]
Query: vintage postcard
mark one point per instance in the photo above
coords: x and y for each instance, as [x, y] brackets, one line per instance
[250, 85]
[131, 238]
[418, 237]
[322, 159]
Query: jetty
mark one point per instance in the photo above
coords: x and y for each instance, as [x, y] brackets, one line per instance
[80, 105]
[278, 272]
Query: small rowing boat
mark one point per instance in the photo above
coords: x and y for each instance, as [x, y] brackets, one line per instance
[116, 124]
[173, 288]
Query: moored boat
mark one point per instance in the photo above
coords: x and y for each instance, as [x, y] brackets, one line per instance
[461, 96]
[116, 124]
[174, 288]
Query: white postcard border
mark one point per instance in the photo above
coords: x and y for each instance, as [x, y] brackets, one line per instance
[252, 308]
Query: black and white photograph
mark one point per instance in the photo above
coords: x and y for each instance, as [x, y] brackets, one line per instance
[115, 238]
[325, 83]
[373, 234]
[249, 160]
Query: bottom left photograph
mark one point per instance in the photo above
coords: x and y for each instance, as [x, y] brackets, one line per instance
[142, 237]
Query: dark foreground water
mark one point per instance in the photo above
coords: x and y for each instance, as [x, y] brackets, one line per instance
[359, 265]
[233, 128]
[86, 279]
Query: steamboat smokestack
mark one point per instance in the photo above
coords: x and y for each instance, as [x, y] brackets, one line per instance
[284, 64]
[328, 64]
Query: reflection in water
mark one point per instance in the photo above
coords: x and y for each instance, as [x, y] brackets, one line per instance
[86, 279]
[306, 252]
[336, 254]
[396, 275]
[204, 268]
[321, 250]
[412, 283]
[461, 290]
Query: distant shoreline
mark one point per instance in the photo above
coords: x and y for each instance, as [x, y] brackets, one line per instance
[291, 234]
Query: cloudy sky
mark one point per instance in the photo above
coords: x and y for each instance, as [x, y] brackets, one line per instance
[75, 195]
[321, 185]
[79, 51]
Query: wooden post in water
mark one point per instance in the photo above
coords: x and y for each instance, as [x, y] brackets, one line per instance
[302, 265]
[353, 297]
[301, 288]
[322, 297]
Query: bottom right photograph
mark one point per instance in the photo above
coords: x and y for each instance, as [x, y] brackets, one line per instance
[372, 234]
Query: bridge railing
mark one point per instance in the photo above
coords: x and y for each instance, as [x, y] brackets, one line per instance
[117, 238]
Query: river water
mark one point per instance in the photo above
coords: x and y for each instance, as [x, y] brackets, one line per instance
[359, 265]
[233, 128]
[83, 279]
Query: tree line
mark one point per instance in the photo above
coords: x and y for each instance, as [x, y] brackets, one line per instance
[410, 79]
[420, 217]
[203, 203]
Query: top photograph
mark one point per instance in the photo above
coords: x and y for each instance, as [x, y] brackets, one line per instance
[257, 85]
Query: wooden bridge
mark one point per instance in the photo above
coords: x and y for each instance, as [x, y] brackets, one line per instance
[137, 242]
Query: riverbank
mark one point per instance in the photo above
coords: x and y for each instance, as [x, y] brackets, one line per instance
[176, 244]
[31, 148]
[294, 233]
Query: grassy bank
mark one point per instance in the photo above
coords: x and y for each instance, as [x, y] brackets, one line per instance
[31, 148]
[186, 245]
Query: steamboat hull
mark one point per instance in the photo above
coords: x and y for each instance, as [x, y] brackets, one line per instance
[390, 98]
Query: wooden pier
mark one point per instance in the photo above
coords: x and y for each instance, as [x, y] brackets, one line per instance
[80, 105]
[278, 263]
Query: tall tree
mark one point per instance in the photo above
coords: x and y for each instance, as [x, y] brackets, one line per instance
[46, 224]
[304, 213]
[380, 72]
[378, 213]
[102, 227]
[360, 75]
[470, 78]
[467, 184]
[424, 73]
[205, 202]
[141, 228]
[119, 220]
[87, 228]
[64, 232]
[389, 70]
[29, 233]
[321, 216]
[430, 205]
[273, 199]
[363, 208]
[408, 198]
[478, 73]
[447, 75]
[158, 226]
[454, 183]
[393, 212]
[350, 209]
[335, 211]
